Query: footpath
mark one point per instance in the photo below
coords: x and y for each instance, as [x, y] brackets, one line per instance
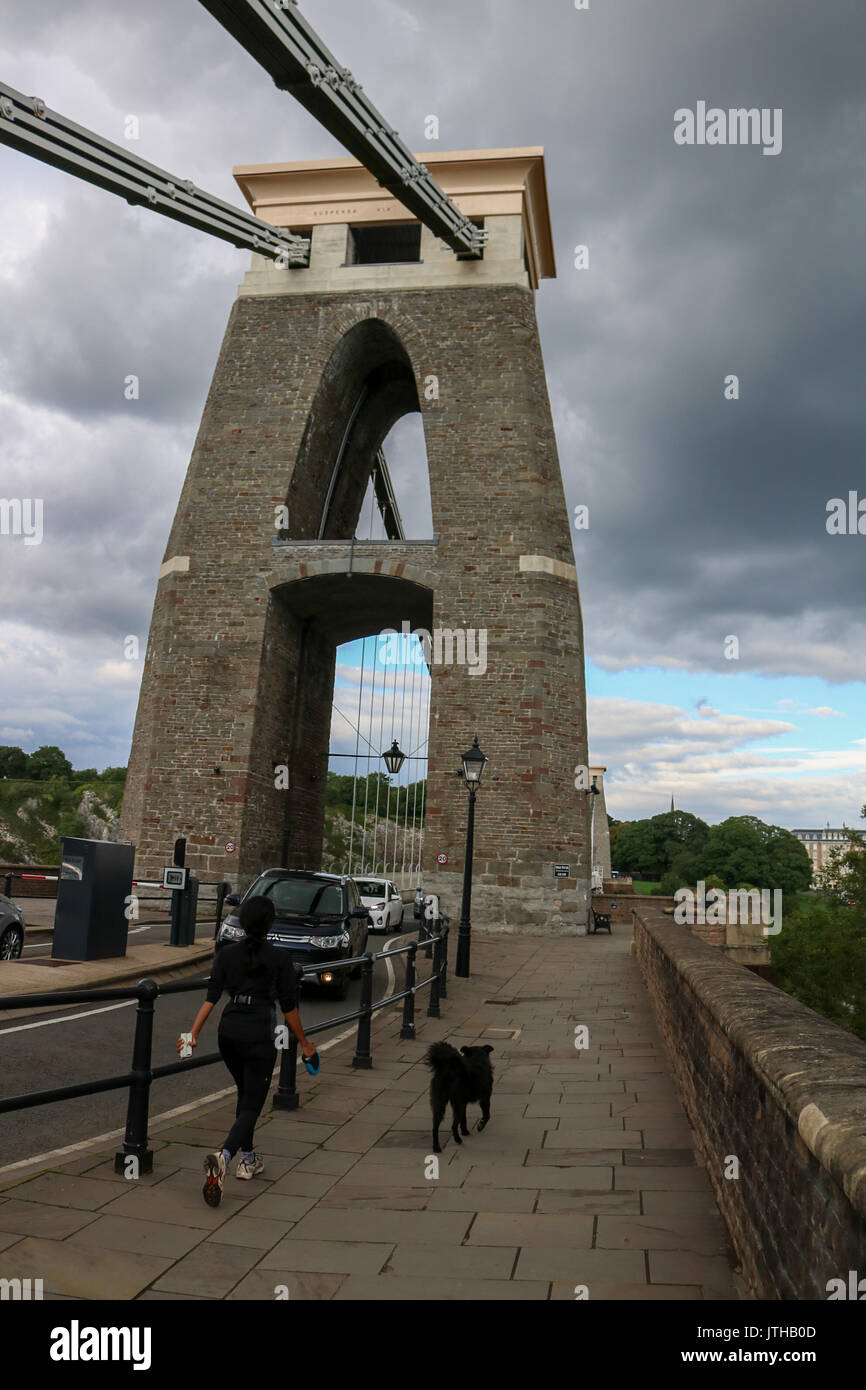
[585, 1183]
[39, 974]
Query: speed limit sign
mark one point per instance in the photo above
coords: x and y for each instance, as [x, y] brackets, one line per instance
[441, 858]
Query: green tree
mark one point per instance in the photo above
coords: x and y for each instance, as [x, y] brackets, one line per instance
[820, 958]
[743, 849]
[647, 848]
[114, 774]
[13, 762]
[843, 877]
[47, 762]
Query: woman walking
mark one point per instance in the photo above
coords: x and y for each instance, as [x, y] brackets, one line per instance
[255, 974]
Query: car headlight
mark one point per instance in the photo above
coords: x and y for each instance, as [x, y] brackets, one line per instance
[379, 907]
[231, 933]
[332, 943]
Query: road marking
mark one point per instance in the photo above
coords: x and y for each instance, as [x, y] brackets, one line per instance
[70, 1018]
[42, 945]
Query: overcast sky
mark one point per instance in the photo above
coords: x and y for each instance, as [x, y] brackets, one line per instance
[707, 516]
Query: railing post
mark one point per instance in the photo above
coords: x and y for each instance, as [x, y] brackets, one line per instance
[443, 977]
[363, 1057]
[138, 1107]
[408, 1028]
[7, 885]
[286, 1095]
[433, 1006]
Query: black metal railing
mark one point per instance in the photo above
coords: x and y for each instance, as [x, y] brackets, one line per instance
[142, 1073]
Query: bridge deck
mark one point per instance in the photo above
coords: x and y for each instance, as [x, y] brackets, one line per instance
[586, 1176]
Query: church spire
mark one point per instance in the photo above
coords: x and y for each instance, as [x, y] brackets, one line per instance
[673, 807]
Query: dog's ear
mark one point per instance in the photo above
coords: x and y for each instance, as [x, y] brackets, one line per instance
[464, 1049]
[488, 1048]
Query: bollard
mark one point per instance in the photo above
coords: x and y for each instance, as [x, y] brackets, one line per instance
[408, 1028]
[138, 1106]
[363, 1057]
[433, 1006]
[443, 978]
[7, 885]
[286, 1095]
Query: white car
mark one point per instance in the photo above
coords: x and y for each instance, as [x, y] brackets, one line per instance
[383, 902]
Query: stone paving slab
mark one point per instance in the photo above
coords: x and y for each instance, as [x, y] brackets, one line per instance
[394, 1287]
[66, 1268]
[586, 1178]
[307, 1287]
[148, 1237]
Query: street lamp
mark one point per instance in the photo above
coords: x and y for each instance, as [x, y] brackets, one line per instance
[594, 790]
[394, 758]
[474, 762]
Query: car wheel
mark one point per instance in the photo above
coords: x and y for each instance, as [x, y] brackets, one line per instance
[12, 943]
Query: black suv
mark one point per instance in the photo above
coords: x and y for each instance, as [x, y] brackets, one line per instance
[319, 917]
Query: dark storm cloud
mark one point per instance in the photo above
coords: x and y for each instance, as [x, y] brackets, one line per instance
[707, 516]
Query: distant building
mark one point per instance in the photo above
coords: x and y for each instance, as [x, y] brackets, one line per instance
[820, 843]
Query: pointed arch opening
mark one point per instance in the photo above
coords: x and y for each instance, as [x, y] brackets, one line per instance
[363, 460]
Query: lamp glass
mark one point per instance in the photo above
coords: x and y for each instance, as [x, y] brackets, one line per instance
[474, 762]
[394, 758]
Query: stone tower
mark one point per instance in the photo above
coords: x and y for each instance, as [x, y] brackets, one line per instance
[316, 366]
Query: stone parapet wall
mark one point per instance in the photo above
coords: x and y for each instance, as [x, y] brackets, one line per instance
[769, 1082]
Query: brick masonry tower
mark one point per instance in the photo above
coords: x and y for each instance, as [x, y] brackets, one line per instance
[317, 365]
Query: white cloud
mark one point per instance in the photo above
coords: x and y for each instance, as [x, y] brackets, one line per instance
[712, 768]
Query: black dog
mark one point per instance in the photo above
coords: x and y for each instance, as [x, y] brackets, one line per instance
[458, 1079]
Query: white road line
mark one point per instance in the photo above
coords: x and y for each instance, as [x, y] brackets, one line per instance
[69, 1018]
[41, 945]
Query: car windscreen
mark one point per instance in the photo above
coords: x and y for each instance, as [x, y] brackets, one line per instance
[370, 888]
[301, 895]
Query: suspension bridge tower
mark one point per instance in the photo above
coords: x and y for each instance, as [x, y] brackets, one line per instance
[264, 576]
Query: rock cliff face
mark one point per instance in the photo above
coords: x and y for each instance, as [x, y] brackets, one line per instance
[34, 817]
[98, 819]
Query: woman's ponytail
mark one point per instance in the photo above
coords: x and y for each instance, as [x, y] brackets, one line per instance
[256, 916]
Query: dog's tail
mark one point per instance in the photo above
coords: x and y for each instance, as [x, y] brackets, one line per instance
[441, 1054]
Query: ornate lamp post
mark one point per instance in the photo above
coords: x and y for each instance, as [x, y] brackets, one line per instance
[393, 758]
[594, 790]
[474, 762]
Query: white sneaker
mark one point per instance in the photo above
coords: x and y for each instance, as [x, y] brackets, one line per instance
[250, 1168]
[215, 1175]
